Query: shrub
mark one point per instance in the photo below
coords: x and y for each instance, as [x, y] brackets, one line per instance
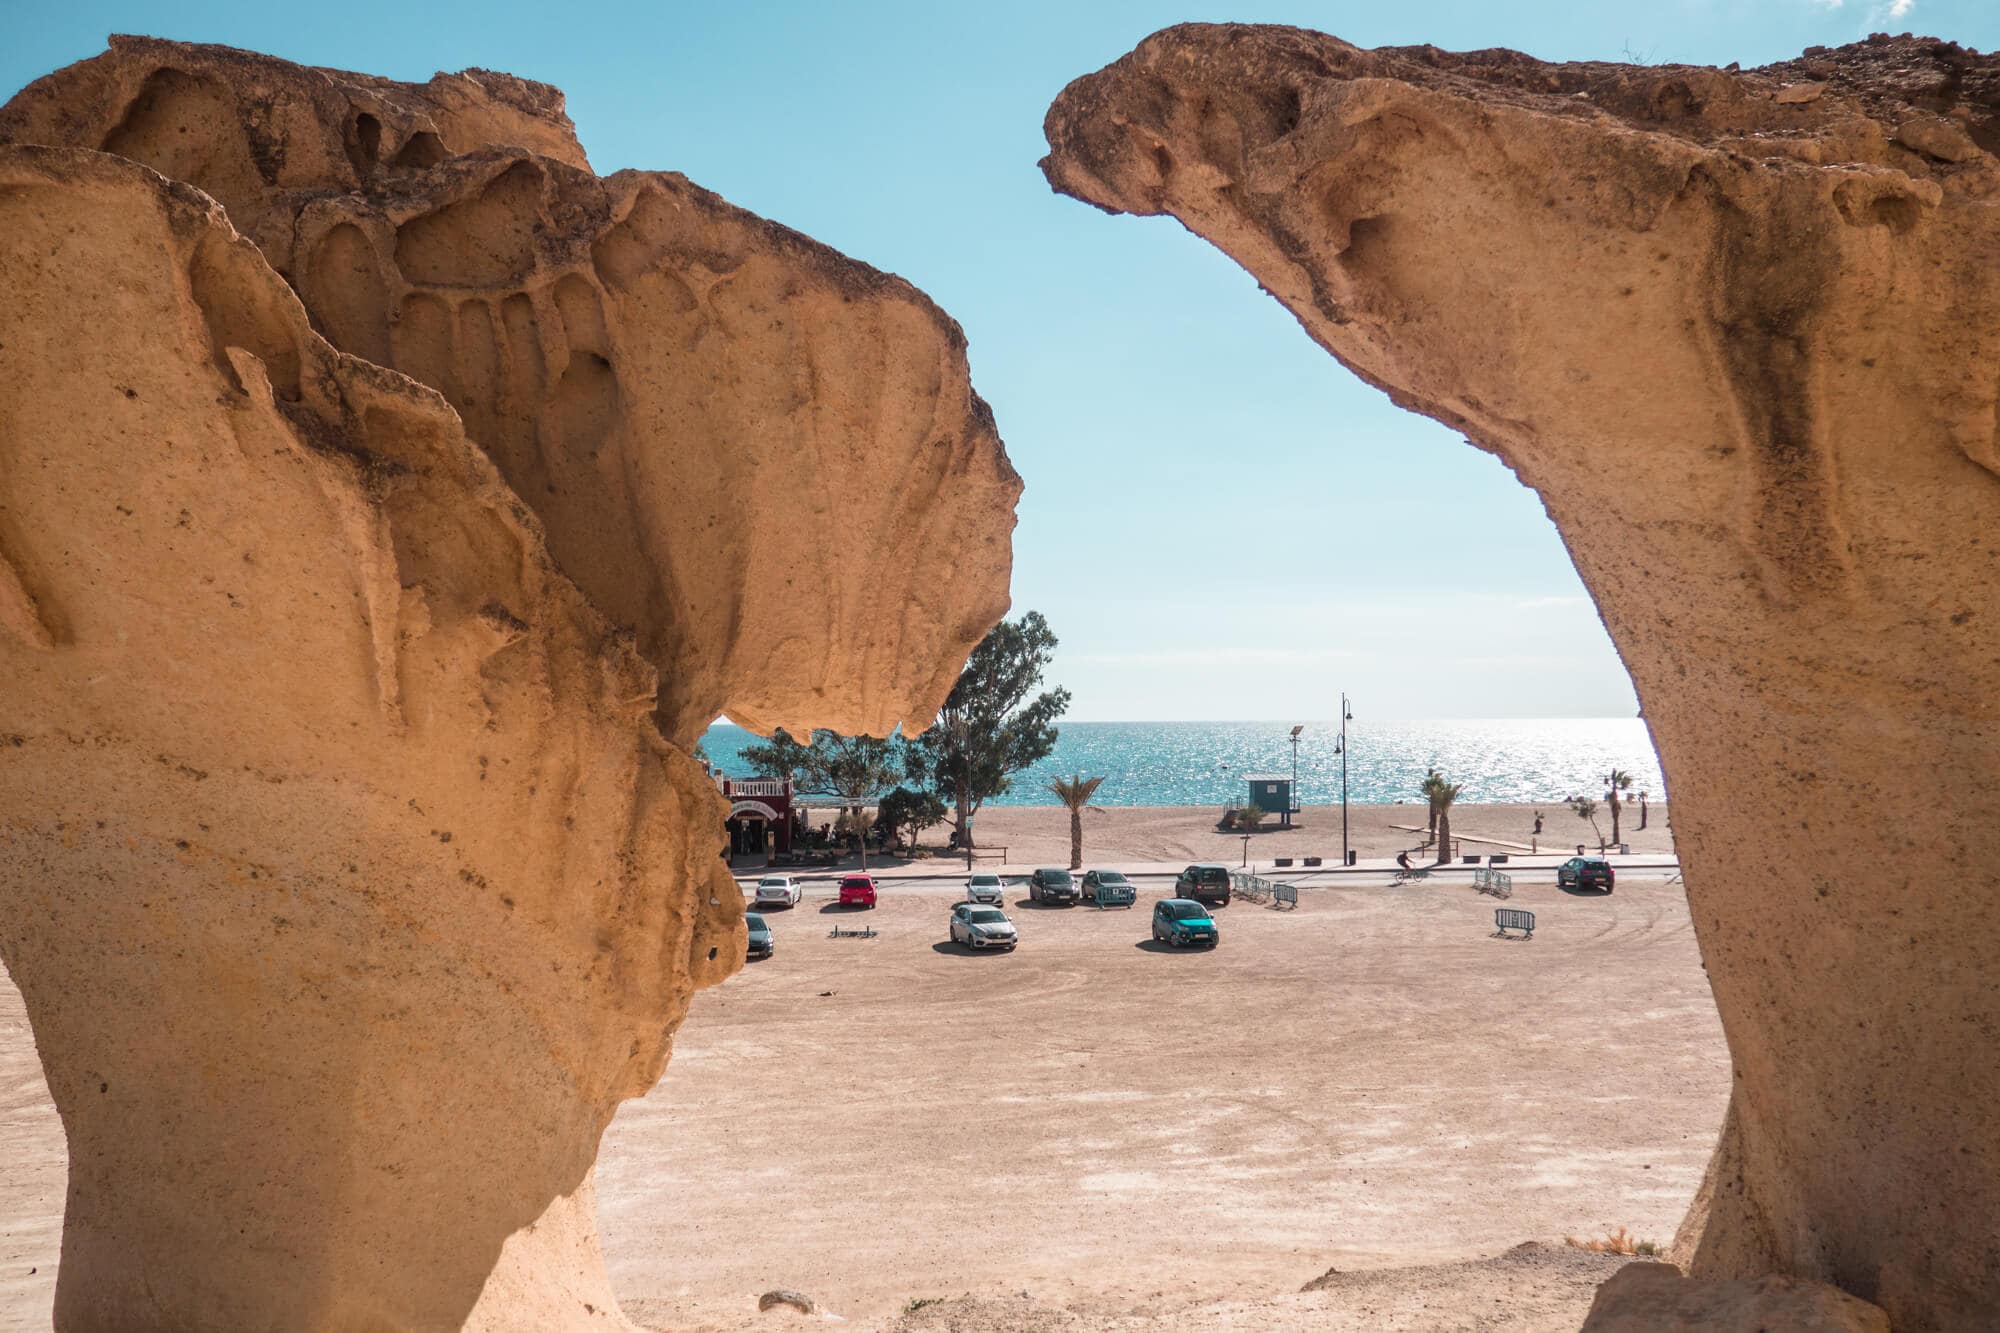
[1620, 1241]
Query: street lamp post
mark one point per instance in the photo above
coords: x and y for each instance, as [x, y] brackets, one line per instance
[1345, 717]
[1292, 804]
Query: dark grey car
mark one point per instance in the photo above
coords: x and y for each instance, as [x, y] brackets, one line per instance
[761, 945]
[1050, 885]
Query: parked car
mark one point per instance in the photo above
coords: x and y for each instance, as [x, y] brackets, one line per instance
[778, 891]
[761, 945]
[1049, 885]
[985, 889]
[1586, 872]
[1183, 921]
[1108, 888]
[857, 891]
[978, 926]
[1205, 883]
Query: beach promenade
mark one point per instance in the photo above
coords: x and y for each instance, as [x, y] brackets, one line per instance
[1144, 839]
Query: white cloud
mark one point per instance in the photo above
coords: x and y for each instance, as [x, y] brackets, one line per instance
[1901, 7]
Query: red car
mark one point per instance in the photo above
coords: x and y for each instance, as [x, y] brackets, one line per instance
[857, 891]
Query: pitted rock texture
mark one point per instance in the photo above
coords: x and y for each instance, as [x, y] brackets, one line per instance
[724, 425]
[345, 869]
[1739, 331]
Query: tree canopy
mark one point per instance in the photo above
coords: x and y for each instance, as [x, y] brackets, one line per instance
[990, 727]
[853, 768]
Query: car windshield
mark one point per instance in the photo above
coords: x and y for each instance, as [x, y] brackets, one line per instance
[1109, 877]
[1596, 865]
[1187, 911]
[1055, 877]
[771, 884]
[1211, 874]
[856, 883]
[755, 922]
[985, 881]
[989, 917]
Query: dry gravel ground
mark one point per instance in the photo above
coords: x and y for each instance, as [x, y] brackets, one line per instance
[1136, 1138]
[1142, 1138]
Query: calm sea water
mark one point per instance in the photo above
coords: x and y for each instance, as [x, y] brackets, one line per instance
[1206, 763]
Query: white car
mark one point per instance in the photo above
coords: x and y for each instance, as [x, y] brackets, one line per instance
[778, 891]
[978, 926]
[985, 889]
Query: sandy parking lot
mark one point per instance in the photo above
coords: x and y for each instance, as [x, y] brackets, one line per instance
[1128, 1134]
[1116, 1129]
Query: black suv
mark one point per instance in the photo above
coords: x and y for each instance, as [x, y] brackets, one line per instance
[1049, 885]
[1206, 883]
[1585, 872]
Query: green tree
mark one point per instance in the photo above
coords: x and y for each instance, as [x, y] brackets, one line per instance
[780, 757]
[1586, 808]
[1446, 794]
[914, 811]
[1615, 784]
[1075, 793]
[1249, 816]
[990, 728]
[853, 768]
[1428, 789]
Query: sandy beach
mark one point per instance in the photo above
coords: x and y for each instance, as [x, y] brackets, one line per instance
[1372, 1083]
[1036, 834]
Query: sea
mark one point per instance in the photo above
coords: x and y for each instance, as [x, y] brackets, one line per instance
[1208, 763]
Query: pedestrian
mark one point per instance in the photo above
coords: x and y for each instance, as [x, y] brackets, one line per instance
[1538, 823]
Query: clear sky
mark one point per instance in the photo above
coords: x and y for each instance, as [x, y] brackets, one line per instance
[1219, 521]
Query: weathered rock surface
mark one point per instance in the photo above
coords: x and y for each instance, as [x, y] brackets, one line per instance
[1742, 342]
[1655, 1298]
[345, 870]
[743, 445]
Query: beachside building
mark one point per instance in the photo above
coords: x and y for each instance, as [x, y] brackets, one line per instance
[1272, 793]
[760, 814]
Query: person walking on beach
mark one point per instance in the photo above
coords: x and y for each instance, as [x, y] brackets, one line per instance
[1538, 823]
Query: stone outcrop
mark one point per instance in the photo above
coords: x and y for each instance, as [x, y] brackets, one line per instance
[1655, 1298]
[683, 391]
[352, 867]
[1738, 328]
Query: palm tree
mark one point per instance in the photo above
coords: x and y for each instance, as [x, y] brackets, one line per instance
[1445, 794]
[1586, 808]
[1428, 789]
[1617, 781]
[1075, 793]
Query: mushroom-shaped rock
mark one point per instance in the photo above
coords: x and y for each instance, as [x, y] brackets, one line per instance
[750, 449]
[1743, 346]
[346, 870]
[348, 882]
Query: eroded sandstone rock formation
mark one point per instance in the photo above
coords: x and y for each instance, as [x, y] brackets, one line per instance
[714, 416]
[1655, 1298]
[351, 864]
[1739, 329]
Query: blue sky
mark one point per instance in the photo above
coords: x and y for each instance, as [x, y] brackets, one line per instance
[1219, 522]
